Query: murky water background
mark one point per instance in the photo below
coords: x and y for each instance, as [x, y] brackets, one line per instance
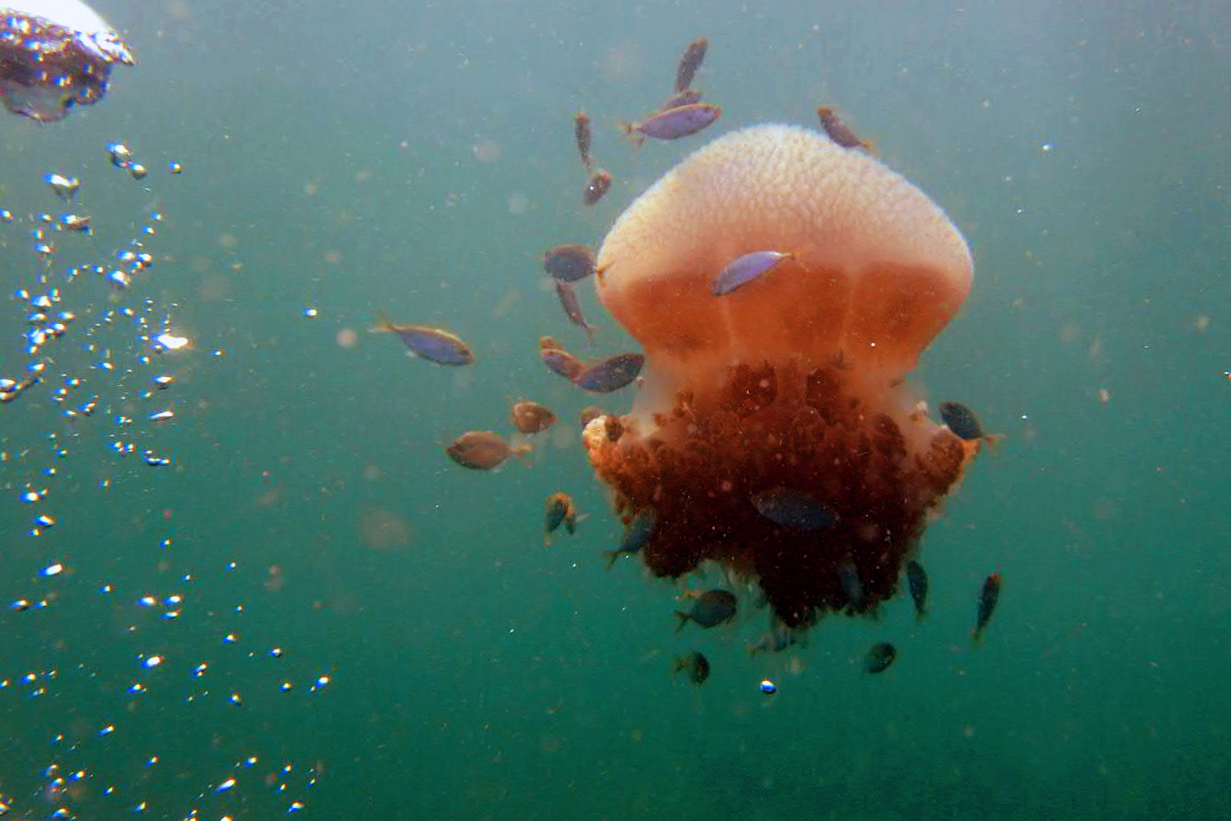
[362, 628]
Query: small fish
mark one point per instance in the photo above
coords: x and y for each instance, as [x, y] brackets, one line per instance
[794, 509]
[559, 360]
[596, 187]
[572, 308]
[848, 575]
[987, 604]
[879, 657]
[744, 269]
[610, 374]
[560, 510]
[713, 607]
[697, 665]
[589, 413]
[917, 579]
[839, 131]
[581, 130]
[636, 534]
[432, 344]
[687, 96]
[531, 417]
[774, 640]
[674, 123]
[64, 187]
[569, 263]
[483, 450]
[690, 61]
[961, 420]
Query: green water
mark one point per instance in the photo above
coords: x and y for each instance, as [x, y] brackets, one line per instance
[417, 159]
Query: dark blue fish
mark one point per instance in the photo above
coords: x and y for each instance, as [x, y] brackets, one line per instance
[744, 269]
[712, 608]
[917, 578]
[610, 374]
[794, 509]
[639, 531]
[690, 61]
[697, 665]
[879, 657]
[987, 604]
[848, 575]
[569, 263]
[961, 420]
[432, 344]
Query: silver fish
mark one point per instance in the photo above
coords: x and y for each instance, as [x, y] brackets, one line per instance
[432, 344]
[674, 123]
[744, 269]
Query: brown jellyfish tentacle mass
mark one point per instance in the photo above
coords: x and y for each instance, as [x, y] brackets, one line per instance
[54, 54]
[792, 384]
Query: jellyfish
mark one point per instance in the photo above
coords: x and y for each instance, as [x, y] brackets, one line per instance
[55, 54]
[791, 387]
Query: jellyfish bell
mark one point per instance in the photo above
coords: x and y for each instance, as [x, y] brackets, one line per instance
[792, 382]
[54, 54]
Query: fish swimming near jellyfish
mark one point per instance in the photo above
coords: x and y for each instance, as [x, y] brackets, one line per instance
[572, 308]
[433, 344]
[988, 597]
[636, 533]
[745, 269]
[484, 450]
[596, 187]
[531, 417]
[558, 360]
[674, 123]
[917, 581]
[560, 511]
[569, 263]
[838, 131]
[610, 374]
[711, 608]
[696, 665]
[690, 61]
[879, 657]
[795, 509]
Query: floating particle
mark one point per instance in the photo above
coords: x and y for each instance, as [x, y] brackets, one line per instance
[200, 669]
[108, 730]
[768, 687]
[236, 699]
[170, 342]
[64, 187]
[45, 521]
[32, 495]
[20, 606]
[75, 222]
[121, 156]
[155, 461]
[276, 652]
[161, 416]
[321, 681]
[53, 570]
[225, 785]
[138, 171]
[163, 382]
[286, 686]
[309, 313]
[295, 806]
[151, 662]
[174, 167]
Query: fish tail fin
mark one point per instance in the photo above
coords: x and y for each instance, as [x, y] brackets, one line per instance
[521, 450]
[976, 637]
[611, 556]
[678, 664]
[383, 323]
[867, 145]
[683, 617]
[590, 333]
[994, 439]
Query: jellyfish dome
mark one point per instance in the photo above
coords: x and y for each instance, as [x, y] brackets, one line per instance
[774, 432]
[54, 54]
